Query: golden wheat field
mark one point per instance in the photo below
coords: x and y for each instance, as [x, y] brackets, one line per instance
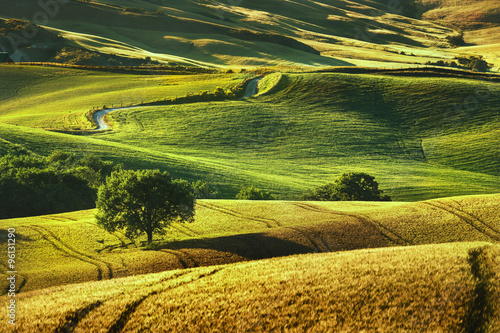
[428, 288]
[70, 248]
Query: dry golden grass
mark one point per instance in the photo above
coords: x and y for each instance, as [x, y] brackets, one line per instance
[70, 248]
[404, 289]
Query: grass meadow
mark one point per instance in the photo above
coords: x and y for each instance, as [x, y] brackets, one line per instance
[59, 98]
[197, 33]
[70, 248]
[422, 137]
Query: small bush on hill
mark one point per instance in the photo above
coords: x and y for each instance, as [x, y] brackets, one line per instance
[352, 186]
[203, 191]
[253, 193]
[456, 40]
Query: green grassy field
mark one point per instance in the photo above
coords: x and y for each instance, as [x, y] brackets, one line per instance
[424, 288]
[58, 98]
[421, 137]
[70, 248]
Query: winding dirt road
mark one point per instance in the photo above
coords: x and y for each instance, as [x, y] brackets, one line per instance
[251, 88]
[99, 115]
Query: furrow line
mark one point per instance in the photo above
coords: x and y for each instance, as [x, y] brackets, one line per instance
[68, 252]
[77, 317]
[23, 282]
[183, 225]
[482, 228]
[493, 228]
[183, 230]
[384, 231]
[239, 215]
[85, 255]
[179, 257]
[317, 249]
[131, 308]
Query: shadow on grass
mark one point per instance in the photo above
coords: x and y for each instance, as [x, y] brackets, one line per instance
[4, 237]
[248, 246]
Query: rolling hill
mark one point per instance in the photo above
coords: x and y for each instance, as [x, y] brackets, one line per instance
[257, 33]
[425, 288]
[422, 137]
[69, 248]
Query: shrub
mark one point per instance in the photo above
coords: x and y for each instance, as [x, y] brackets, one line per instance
[456, 40]
[34, 185]
[203, 191]
[253, 193]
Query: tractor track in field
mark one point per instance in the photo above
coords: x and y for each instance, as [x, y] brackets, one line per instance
[387, 233]
[75, 318]
[183, 229]
[494, 228]
[471, 220]
[125, 316]
[21, 285]
[185, 259]
[103, 268]
[313, 241]
[270, 223]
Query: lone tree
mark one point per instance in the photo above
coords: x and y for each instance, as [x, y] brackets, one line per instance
[145, 201]
[351, 186]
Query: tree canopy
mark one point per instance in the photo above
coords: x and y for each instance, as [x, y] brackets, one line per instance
[351, 186]
[31, 184]
[144, 201]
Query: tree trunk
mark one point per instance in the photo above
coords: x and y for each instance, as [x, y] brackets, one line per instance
[150, 236]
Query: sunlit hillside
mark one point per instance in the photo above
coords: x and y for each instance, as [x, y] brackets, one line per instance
[425, 288]
[69, 248]
[256, 33]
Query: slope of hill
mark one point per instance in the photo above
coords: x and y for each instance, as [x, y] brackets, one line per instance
[424, 288]
[422, 137]
[277, 33]
[70, 248]
[59, 98]
[334, 122]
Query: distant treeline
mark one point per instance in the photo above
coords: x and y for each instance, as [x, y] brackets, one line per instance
[35, 185]
[143, 70]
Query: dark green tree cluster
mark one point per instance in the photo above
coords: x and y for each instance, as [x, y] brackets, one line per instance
[31, 184]
[351, 186]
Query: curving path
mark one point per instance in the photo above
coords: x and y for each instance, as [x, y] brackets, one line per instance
[99, 115]
[251, 88]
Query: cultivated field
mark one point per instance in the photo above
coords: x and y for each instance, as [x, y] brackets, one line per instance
[432, 288]
[69, 248]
